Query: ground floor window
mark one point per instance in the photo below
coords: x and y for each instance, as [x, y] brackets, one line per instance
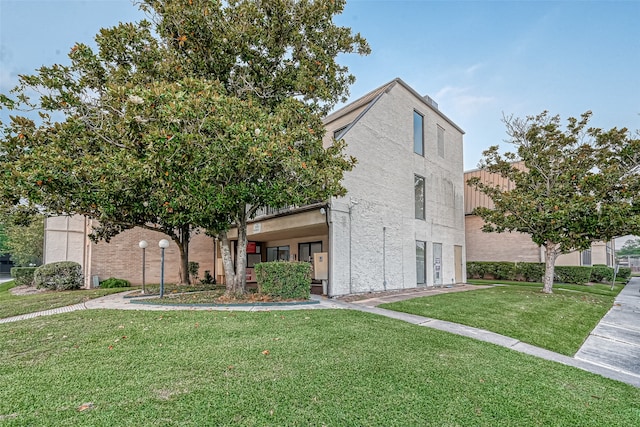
[306, 251]
[421, 265]
[586, 257]
[278, 253]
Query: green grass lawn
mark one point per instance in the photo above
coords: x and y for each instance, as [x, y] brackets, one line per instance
[323, 367]
[14, 305]
[559, 322]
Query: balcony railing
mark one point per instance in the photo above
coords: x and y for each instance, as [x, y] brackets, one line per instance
[269, 211]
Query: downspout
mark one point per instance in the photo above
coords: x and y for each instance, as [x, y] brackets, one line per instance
[384, 257]
[350, 245]
[84, 256]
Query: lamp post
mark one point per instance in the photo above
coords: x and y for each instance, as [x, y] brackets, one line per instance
[164, 244]
[143, 245]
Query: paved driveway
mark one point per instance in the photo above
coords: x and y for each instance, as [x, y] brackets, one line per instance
[615, 342]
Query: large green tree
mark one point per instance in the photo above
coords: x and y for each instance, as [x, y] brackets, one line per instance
[630, 247]
[193, 121]
[22, 235]
[573, 186]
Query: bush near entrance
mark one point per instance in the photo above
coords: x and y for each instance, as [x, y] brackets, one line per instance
[284, 279]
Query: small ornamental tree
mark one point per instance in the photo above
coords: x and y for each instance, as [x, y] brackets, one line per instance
[572, 186]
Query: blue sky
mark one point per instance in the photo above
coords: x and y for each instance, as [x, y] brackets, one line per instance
[477, 59]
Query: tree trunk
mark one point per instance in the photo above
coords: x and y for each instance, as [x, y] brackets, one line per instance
[235, 279]
[551, 252]
[182, 239]
[227, 262]
[241, 252]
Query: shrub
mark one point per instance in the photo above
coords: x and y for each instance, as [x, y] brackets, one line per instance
[59, 276]
[112, 282]
[601, 273]
[504, 270]
[194, 268]
[530, 271]
[624, 273]
[23, 275]
[573, 274]
[284, 279]
[501, 270]
[208, 278]
[475, 270]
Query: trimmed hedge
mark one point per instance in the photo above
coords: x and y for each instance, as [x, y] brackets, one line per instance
[577, 275]
[497, 270]
[59, 276]
[601, 273]
[23, 275]
[112, 282]
[284, 279]
[530, 271]
[624, 273]
[503, 270]
[534, 272]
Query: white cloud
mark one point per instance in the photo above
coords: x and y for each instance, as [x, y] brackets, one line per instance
[8, 80]
[472, 69]
[462, 100]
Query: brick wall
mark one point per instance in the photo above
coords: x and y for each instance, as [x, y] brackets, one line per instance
[515, 247]
[122, 257]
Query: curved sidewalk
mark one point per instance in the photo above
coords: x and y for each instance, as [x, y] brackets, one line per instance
[119, 302]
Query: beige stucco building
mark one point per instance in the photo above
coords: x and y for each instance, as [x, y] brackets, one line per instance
[516, 247]
[401, 224]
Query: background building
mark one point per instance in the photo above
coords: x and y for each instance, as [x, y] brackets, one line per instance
[514, 246]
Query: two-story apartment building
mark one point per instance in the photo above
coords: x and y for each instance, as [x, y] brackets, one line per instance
[401, 224]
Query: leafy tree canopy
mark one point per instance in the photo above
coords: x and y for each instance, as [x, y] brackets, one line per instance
[191, 120]
[630, 247]
[572, 186]
[22, 235]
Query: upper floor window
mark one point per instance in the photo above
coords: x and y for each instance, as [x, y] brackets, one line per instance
[440, 142]
[418, 133]
[418, 186]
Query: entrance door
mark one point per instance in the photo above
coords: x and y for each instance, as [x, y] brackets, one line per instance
[306, 251]
[437, 264]
[458, 260]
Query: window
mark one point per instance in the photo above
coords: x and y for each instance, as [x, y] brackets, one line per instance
[418, 133]
[306, 251]
[610, 258]
[586, 257]
[441, 142]
[418, 186]
[421, 265]
[278, 253]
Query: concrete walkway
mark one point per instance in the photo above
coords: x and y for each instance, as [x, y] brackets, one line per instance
[615, 341]
[623, 313]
